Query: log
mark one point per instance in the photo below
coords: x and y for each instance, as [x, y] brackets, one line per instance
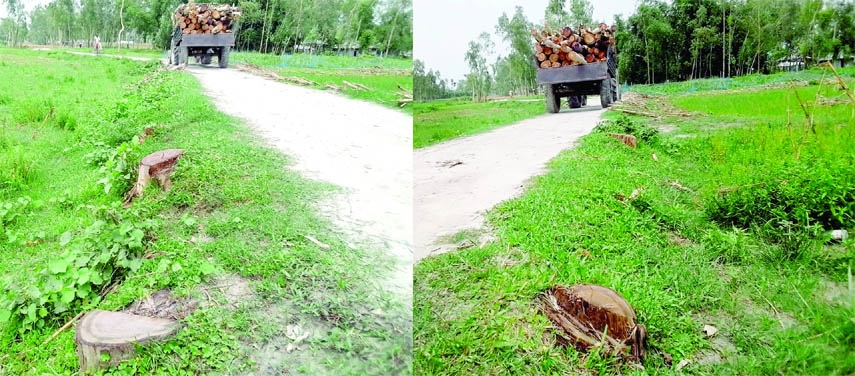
[107, 338]
[566, 47]
[205, 18]
[158, 165]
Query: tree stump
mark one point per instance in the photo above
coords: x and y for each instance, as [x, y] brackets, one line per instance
[591, 315]
[158, 165]
[107, 338]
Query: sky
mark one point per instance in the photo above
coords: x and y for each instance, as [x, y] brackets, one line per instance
[28, 6]
[442, 29]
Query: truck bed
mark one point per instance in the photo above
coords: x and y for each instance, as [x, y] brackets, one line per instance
[573, 73]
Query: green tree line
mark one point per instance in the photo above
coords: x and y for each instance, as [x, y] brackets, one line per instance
[666, 41]
[273, 26]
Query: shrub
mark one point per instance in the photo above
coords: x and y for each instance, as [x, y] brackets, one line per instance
[627, 125]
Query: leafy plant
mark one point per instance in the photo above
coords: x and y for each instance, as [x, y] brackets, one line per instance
[78, 277]
[627, 125]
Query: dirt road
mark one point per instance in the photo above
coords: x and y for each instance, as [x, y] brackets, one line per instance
[457, 181]
[362, 147]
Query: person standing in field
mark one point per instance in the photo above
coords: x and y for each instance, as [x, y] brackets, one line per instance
[97, 45]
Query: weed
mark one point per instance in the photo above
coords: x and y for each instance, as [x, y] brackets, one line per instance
[628, 125]
[438, 121]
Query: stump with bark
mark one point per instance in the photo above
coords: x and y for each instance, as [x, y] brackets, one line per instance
[591, 315]
[107, 338]
[158, 165]
[557, 48]
[206, 18]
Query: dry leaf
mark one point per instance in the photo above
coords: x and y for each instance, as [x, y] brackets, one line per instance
[654, 157]
[683, 363]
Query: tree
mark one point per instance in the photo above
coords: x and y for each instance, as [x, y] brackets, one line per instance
[520, 72]
[479, 78]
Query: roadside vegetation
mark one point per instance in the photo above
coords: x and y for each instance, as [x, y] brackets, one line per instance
[445, 119]
[720, 218]
[385, 79]
[72, 130]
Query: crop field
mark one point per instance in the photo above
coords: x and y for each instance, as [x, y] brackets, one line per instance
[719, 218]
[229, 239]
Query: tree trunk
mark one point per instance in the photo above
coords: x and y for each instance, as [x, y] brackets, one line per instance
[392, 31]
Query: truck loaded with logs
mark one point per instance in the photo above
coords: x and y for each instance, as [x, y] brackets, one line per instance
[203, 31]
[575, 64]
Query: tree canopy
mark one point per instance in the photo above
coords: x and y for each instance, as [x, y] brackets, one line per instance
[266, 25]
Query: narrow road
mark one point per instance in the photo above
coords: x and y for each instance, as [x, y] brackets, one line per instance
[457, 181]
[362, 147]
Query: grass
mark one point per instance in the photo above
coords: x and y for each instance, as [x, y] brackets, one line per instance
[383, 76]
[235, 213]
[782, 300]
[743, 82]
[134, 52]
[438, 121]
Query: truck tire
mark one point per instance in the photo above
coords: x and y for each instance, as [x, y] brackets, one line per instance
[223, 57]
[615, 90]
[606, 92]
[182, 55]
[553, 102]
[575, 101]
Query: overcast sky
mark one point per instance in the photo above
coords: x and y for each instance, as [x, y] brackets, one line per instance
[28, 6]
[443, 28]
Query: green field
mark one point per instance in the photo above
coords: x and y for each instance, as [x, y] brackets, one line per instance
[69, 147]
[437, 121]
[383, 76]
[728, 229]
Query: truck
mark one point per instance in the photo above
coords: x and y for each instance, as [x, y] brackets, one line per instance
[580, 79]
[203, 31]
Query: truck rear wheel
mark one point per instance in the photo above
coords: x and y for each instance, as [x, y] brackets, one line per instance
[615, 90]
[575, 101]
[606, 92]
[223, 57]
[553, 102]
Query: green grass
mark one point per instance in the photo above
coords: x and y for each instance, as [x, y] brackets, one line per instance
[782, 301]
[382, 76]
[735, 83]
[134, 52]
[234, 210]
[438, 121]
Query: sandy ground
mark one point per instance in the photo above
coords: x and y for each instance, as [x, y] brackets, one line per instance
[362, 147]
[457, 181]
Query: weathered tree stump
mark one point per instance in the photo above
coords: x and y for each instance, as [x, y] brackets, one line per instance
[158, 165]
[591, 315]
[107, 338]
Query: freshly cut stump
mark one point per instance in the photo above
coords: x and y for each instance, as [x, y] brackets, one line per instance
[158, 165]
[115, 333]
[627, 139]
[591, 315]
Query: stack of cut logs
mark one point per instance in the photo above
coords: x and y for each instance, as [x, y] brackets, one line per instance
[564, 47]
[206, 18]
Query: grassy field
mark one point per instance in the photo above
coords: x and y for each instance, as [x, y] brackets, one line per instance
[743, 82]
[134, 52]
[437, 121]
[728, 229]
[383, 76]
[69, 145]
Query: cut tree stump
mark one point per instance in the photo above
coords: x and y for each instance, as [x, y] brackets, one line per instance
[591, 316]
[158, 165]
[107, 338]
